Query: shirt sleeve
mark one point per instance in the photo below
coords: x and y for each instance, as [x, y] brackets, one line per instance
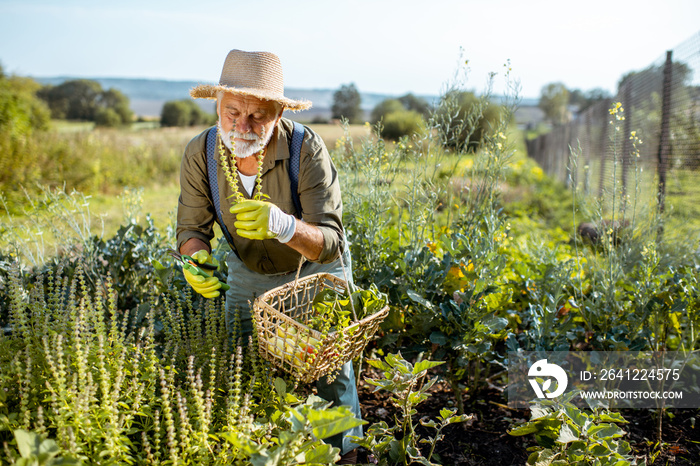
[320, 197]
[195, 210]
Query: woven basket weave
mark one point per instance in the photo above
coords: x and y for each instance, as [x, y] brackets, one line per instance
[288, 343]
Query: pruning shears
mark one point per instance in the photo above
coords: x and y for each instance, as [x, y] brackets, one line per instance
[205, 270]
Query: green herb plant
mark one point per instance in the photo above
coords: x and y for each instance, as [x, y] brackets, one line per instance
[399, 444]
[567, 435]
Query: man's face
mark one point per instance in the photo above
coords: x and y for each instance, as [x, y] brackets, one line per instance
[251, 119]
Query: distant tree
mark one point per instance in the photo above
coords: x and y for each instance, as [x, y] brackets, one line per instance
[73, 100]
[346, 103]
[554, 102]
[81, 99]
[113, 99]
[418, 104]
[184, 112]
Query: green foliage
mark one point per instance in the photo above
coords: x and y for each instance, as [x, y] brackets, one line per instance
[35, 451]
[73, 100]
[568, 436]
[107, 117]
[400, 117]
[22, 116]
[462, 119]
[184, 112]
[153, 386]
[346, 103]
[400, 443]
[385, 107]
[83, 99]
[116, 104]
[476, 252]
[416, 104]
[399, 124]
[333, 310]
[89, 161]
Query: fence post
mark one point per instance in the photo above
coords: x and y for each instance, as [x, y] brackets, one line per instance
[626, 144]
[604, 142]
[664, 147]
[587, 155]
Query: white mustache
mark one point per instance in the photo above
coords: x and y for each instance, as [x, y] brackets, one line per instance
[247, 136]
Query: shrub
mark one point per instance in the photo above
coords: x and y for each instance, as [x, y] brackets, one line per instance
[107, 117]
[183, 113]
[463, 118]
[402, 123]
[384, 108]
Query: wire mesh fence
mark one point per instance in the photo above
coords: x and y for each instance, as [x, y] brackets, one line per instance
[643, 143]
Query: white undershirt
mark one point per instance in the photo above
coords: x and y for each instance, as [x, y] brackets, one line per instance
[248, 182]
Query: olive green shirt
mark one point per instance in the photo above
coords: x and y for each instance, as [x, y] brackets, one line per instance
[319, 194]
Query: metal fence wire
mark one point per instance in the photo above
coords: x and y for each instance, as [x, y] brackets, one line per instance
[650, 146]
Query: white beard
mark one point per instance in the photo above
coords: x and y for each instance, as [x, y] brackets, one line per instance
[242, 150]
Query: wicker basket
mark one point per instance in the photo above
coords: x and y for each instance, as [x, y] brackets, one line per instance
[284, 339]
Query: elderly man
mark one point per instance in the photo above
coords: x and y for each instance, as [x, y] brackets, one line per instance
[270, 228]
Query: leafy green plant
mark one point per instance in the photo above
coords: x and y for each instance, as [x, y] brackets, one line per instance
[107, 387]
[335, 310]
[400, 444]
[306, 423]
[567, 435]
[36, 451]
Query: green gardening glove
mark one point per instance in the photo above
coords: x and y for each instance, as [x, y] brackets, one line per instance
[202, 282]
[263, 220]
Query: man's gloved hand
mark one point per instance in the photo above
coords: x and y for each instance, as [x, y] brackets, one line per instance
[263, 220]
[208, 286]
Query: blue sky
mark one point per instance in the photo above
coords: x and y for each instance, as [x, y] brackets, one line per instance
[386, 46]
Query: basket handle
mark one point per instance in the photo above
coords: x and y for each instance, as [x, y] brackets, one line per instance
[350, 285]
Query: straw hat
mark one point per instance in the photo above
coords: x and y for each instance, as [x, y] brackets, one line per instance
[258, 74]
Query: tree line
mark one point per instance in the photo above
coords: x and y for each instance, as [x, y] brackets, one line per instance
[86, 100]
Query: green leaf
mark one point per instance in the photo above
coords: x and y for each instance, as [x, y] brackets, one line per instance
[397, 362]
[326, 423]
[320, 454]
[280, 387]
[418, 299]
[537, 412]
[495, 324]
[546, 457]
[267, 457]
[525, 429]
[613, 417]
[566, 434]
[425, 365]
[447, 413]
[605, 431]
[27, 442]
[438, 337]
[242, 443]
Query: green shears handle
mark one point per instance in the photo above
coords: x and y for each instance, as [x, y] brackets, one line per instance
[196, 268]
